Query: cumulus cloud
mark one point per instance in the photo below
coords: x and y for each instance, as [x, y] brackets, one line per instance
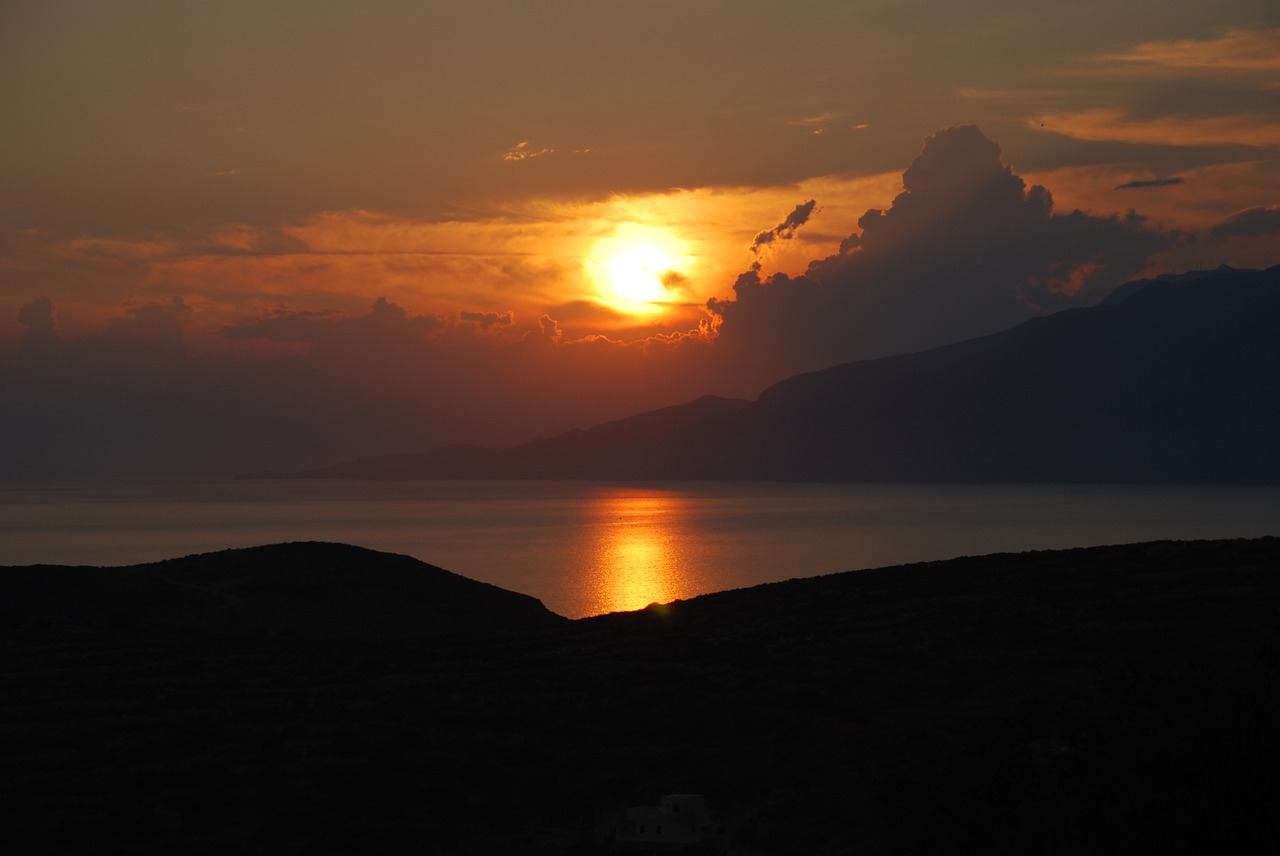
[786, 229]
[965, 249]
[1254, 222]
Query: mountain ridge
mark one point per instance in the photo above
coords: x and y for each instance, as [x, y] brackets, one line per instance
[1173, 381]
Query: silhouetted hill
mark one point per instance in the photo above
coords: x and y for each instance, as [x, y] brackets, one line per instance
[1103, 700]
[1174, 382]
[1124, 292]
[311, 589]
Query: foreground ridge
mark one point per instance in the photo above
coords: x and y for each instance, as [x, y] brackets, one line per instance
[1104, 698]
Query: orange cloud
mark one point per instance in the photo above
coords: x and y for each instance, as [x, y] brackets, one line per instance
[1110, 124]
[1237, 49]
[522, 151]
[529, 257]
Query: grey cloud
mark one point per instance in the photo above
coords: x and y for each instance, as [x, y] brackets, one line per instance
[1254, 222]
[1155, 182]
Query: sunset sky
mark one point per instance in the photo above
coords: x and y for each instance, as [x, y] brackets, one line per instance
[244, 235]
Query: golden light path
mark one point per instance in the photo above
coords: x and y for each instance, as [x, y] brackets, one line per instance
[636, 537]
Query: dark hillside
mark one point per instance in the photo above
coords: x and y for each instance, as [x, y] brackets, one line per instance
[1176, 383]
[1112, 699]
[311, 589]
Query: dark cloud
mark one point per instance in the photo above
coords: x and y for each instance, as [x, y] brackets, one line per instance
[488, 319]
[117, 403]
[37, 316]
[1250, 223]
[145, 397]
[673, 280]
[787, 228]
[155, 316]
[333, 329]
[1155, 182]
[966, 249]
[148, 330]
[849, 244]
[385, 309]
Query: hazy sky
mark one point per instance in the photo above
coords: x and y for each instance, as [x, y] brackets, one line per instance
[237, 235]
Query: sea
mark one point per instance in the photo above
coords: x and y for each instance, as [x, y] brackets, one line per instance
[587, 548]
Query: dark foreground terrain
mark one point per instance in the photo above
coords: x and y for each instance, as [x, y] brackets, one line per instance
[313, 698]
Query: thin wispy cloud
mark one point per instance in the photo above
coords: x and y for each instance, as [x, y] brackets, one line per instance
[1018, 96]
[1235, 50]
[1152, 182]
[1118, 125]
[524, 150]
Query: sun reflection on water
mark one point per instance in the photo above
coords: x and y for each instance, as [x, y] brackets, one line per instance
[636, 537]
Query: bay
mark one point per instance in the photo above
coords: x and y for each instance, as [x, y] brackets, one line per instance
[586, 548]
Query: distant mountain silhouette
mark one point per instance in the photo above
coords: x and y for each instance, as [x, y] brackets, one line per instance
[1171, 380]
[308, 589]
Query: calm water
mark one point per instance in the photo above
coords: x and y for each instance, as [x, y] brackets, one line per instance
[585, 548]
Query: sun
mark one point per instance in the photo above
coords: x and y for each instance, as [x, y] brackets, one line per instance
[632, 268]
[634, 272]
